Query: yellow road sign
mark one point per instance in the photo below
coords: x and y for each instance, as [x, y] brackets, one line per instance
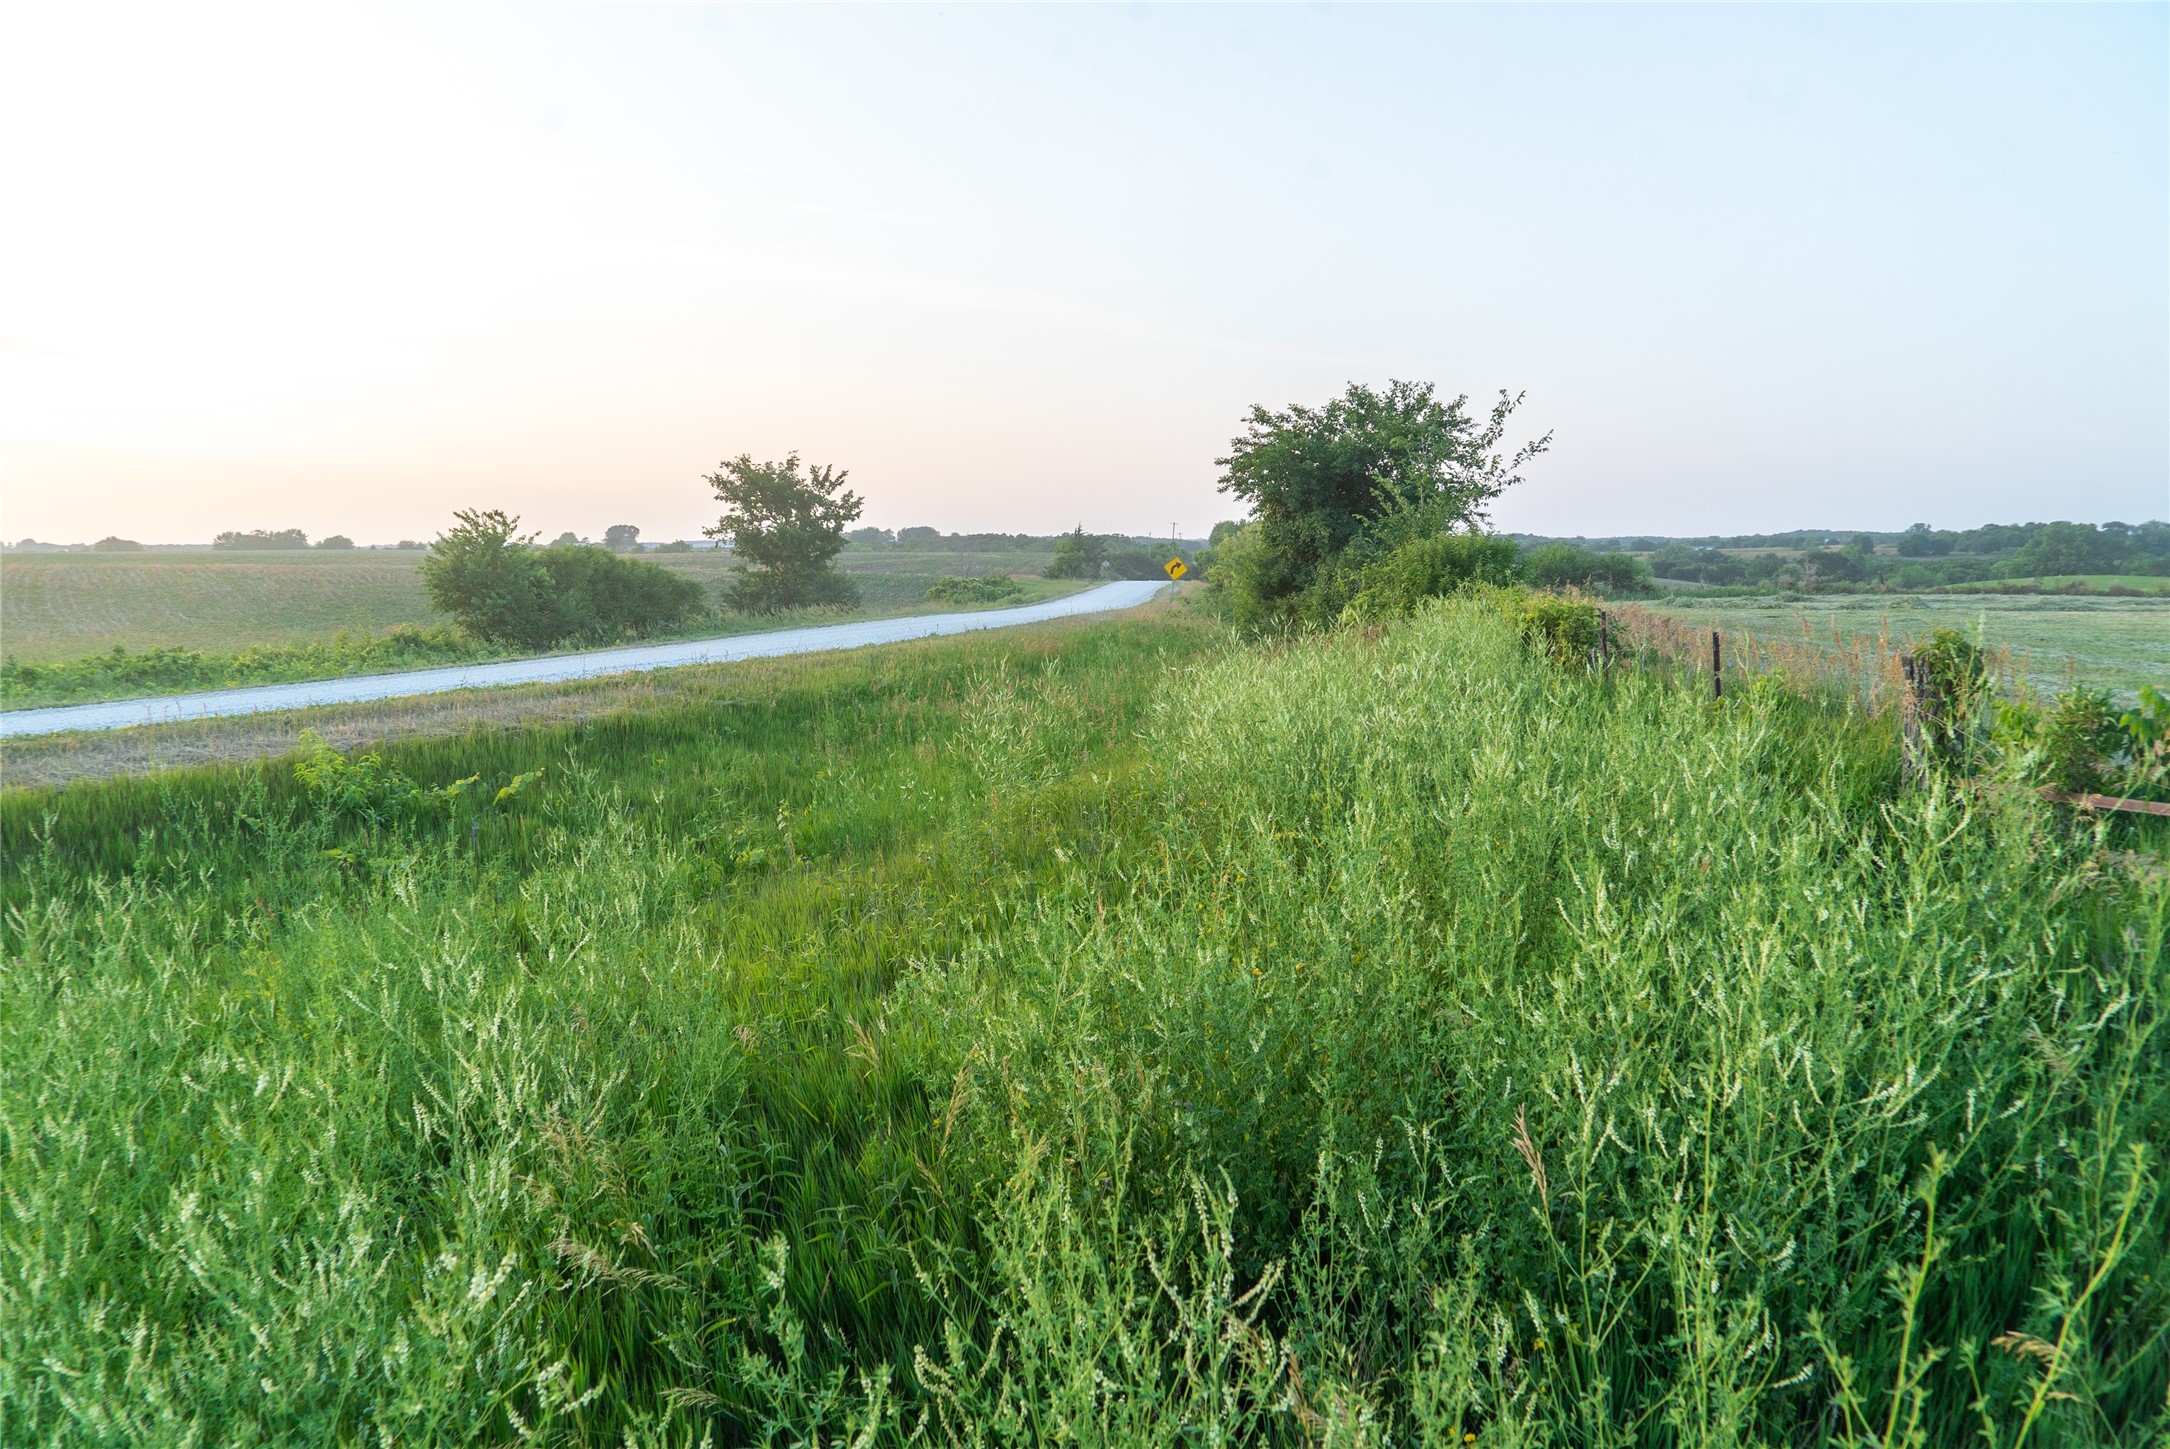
[1175, 568]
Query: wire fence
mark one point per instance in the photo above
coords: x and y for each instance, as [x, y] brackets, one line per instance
[1862, 668]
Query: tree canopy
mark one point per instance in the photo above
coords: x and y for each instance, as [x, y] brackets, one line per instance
[787, 527]
[1335, 487]
[264, 538]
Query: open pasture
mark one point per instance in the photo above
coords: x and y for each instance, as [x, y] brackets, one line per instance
[2051, 641]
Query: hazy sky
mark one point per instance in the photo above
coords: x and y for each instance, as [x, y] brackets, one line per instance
[1019, 268]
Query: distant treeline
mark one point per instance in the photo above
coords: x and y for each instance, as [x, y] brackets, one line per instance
[1920, 557]
[1919, 541]
[933, 540]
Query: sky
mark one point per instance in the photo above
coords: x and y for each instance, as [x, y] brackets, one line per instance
[1022, 268]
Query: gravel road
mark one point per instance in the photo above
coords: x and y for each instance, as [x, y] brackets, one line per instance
[257, 699]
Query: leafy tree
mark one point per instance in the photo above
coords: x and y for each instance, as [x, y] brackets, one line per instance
[1078, 555]
[1993, 538]
[2067, 548]
[1128, 560]
[623, 537]
[485, 574]
[567, 539]
[110, 544]
[919, 537]
[870, 537]
[1830, 566]
[788, 527]
[335, 541]
[1922, 541]
[1696, 565]
[1366, 472]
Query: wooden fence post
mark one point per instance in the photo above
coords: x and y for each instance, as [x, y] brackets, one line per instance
[1910, 745]
[1717, 675]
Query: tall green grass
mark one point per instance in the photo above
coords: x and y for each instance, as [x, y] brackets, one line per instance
[1103, 1034]
[121, 672]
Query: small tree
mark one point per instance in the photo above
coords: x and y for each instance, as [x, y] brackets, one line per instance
[486, 574]
[1078, 555]
[335, 542]
[621, 537]
[788, 527]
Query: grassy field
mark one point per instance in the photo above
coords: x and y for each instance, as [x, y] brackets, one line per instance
[2150, 584]
[2053, 641]
[56, 607]
[1103, 1032]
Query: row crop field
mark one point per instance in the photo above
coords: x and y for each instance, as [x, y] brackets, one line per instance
[1110, 1032]
[57, 607]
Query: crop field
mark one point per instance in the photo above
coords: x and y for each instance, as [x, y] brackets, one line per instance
[56, 607]
[270, 617]
[2050, 641]
[1108, 1032]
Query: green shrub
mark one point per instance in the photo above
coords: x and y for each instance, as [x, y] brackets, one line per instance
[1431, 567]
[2080, 739]
[504, 590]
[2082, 743]
[121, 672]
[363, 788]
[601, 597]
[1950, 683]
[1566, 631]
[985, 589]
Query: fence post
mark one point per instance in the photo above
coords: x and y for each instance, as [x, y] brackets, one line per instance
[1604, 641]
[1717, 675]
[1910, 744]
